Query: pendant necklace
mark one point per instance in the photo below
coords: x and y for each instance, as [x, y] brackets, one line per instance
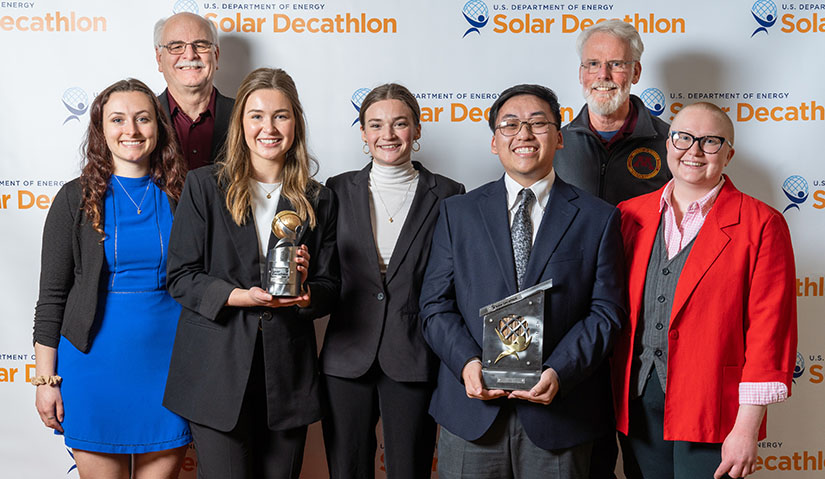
[403, 202]
[137, 205]
[268, 193]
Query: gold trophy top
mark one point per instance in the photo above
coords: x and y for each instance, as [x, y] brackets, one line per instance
[287, 225]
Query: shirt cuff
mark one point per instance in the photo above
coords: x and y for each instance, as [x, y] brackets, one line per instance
[762, 393]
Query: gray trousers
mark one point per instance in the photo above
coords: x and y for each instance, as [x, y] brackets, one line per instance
[505, 452]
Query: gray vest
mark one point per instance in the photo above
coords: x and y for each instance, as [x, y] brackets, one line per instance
[650, 343]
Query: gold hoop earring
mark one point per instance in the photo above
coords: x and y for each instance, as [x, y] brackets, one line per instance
[415, 146]
[365, 148]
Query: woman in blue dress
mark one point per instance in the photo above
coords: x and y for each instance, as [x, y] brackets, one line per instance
[104, 322]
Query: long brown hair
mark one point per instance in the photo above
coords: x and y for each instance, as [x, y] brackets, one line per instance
[235, 168]
[166, 167]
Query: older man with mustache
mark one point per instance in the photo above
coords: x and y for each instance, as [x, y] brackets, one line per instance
[187, 51]
[614, 148]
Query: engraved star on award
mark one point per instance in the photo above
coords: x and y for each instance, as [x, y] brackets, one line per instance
[513, 339]
[282, 277]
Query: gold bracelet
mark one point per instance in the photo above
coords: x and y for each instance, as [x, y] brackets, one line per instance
[50, 380]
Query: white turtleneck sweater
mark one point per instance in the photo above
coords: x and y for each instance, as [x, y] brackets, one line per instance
[391, 193]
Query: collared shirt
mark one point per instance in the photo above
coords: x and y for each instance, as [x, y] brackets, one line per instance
[625, 131]
[194, 136]
[676, 238]
[541, 189]
[679, 235]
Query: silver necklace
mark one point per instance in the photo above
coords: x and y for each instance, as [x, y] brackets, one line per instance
[268, 193]
[403, 202]
[137, 205]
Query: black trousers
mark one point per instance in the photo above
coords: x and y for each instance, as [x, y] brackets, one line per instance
[646, 454]
[354, 406]
[251, 450]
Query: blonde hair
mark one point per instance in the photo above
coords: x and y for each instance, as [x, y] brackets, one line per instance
[234, 168]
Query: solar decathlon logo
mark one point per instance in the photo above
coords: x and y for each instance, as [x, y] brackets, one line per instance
[796, 189]
[654, 100]
[764, 12]
[799, 367]
[356, 100]
[476, 14]
[76, 101]
[190, 6]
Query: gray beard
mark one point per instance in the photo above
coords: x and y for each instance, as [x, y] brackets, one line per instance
[607, 107]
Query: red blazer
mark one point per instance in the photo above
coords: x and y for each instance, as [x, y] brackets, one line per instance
[733, 317]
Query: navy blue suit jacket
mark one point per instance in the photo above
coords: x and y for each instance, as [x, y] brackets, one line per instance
[579, 246]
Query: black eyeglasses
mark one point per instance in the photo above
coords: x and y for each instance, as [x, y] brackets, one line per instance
[537, 127]
[709, 144]
[176, 48]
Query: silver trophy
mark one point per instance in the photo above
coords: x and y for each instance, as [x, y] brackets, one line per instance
[513, 337]
[282, 278]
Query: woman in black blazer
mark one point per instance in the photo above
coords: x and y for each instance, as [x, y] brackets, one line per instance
[244, 369]
[374, 359]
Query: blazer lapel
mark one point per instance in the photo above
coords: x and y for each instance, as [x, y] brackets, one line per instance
[639, 245]
[494, 217]
[558, 216]
[709, 244]
[423, 203]
[223, 110]
[243, 237]
[359, 197]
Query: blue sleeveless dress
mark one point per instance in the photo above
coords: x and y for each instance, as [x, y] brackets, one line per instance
[112, 395]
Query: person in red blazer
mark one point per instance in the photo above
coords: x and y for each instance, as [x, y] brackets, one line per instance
[711, 339]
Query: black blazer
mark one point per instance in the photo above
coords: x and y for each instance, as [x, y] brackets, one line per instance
[209, 256]
[72, 264]
[373, 317]
[223, 110]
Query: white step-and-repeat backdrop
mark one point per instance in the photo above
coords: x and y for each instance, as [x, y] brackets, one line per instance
[762, 62]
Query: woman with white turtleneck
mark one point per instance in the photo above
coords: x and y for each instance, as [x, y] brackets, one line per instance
[374, 360]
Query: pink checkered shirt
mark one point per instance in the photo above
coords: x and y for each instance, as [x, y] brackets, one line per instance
[679, 235]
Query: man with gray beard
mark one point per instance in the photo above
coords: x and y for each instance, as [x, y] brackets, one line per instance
[187, 51]
[614, 148]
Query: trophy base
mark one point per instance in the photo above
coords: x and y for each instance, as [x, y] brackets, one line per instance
[284, 290]
[510, 380]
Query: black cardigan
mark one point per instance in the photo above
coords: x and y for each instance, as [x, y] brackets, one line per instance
[71, 266]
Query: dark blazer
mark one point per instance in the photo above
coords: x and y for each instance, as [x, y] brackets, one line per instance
[209, 256]
[579, 247]
[72, 264]
[223, 110]
[374, 318]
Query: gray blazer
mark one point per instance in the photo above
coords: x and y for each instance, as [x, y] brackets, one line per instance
[71, 266]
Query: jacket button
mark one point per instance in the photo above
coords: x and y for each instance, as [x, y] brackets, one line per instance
[659, 326]
[380, 296]
[665, 271]
[674, 335]
[661, 298]
[658, 353]
[266, 315]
